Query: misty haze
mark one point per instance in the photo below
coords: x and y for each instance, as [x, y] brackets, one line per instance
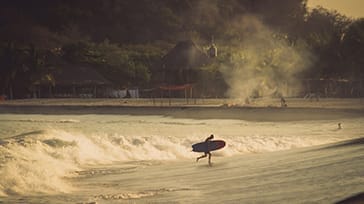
[181, 101]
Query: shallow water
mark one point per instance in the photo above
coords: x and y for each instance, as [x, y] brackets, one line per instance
[141, 159]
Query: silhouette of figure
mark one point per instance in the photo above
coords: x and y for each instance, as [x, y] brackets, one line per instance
[283, 102]
[339, 126]
[207, 152]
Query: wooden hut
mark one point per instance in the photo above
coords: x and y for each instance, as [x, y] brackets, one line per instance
[179, 69]
[180, 65]
[74, 81]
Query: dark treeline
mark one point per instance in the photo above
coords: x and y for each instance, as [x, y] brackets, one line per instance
[125, 39]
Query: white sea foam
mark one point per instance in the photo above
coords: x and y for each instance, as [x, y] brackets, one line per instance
[42, 160]
[38, 161]
[31, 166]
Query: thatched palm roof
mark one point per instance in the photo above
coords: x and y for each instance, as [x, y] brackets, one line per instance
[79, 75]
[185, 55]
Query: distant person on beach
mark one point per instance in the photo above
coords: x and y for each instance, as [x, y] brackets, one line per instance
[339, 126]
[208, 152]
[283, 102]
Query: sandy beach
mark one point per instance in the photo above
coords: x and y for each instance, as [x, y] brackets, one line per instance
[259, 110]
[334, 103]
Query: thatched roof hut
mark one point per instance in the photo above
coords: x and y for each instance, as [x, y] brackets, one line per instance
[180, 65]
[71, 80]
[185, 55]
[79, 75]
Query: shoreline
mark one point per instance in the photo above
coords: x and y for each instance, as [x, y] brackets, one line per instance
[339, 103]
[268, 110]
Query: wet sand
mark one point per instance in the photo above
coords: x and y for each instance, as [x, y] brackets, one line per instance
[258, 110]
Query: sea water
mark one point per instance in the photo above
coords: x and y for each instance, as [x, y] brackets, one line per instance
[148, 159]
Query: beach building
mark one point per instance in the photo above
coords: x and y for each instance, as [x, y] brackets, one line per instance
[178, 70]
[73, 81]
[179, 65]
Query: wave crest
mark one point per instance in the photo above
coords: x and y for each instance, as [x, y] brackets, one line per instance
[38, 161]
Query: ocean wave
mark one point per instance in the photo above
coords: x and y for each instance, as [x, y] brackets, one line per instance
[40, 121]
[136, 195]
[181, 122]
[38, 161]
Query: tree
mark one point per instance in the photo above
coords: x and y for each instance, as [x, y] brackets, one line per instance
[10, 65]
[21, 68]
[324, 30]
[126, 65]
[353, 49]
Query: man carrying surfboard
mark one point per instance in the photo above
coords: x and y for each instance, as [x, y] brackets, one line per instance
[207, 146]
[207, 152]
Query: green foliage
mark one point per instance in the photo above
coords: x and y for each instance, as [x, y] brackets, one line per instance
[353, 49]
[323, 35]
[22, 68]
[126, 65]
[124, 40]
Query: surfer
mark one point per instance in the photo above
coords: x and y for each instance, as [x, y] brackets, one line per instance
[208, 152]
[339, 126]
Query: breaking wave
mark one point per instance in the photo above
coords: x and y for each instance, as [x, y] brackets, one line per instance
[43, 161]
[40, 121]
